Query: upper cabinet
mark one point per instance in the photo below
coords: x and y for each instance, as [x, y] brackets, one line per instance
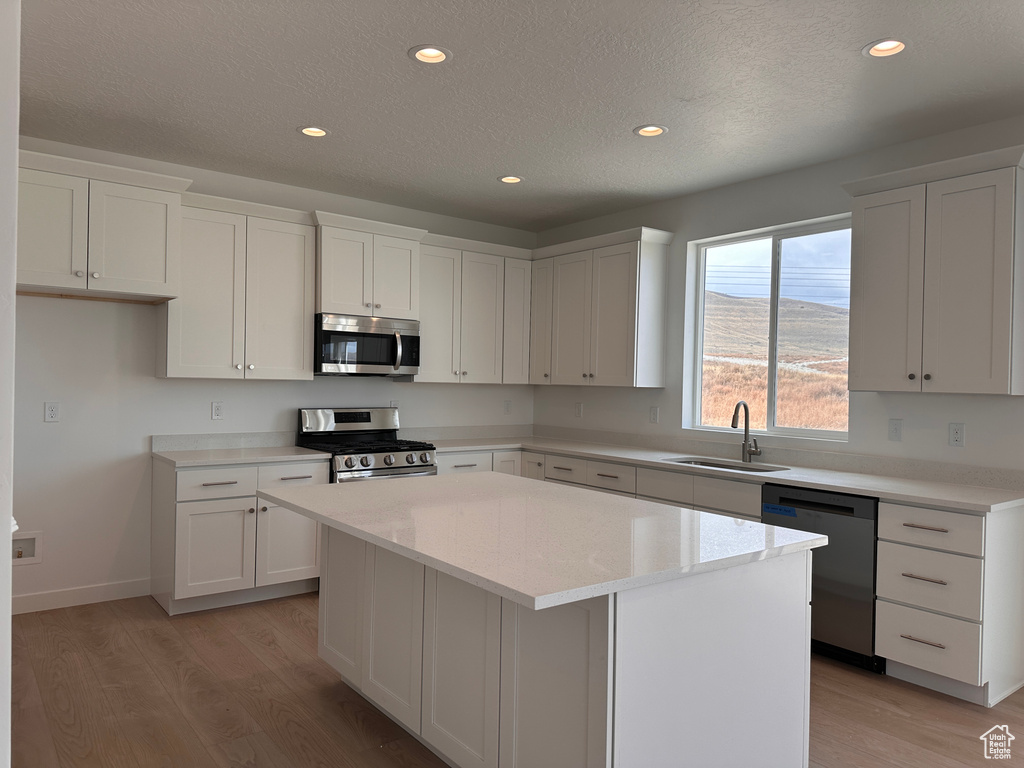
[606, 313]
[474, 324]
[83, 232]
[367, 268]
[937, 280]
[246, 303]
[540, 321]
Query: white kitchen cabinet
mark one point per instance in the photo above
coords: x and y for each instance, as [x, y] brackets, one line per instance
[215, 546]
[392, 653]
[476, 461]
[246, 305]
[342, 596]
[515, 367]
[363, 270]
[440, 314]
[731, 497]
[936, 289]
[461, 668]
[540, 321]
[287, 544]
[507, 462]
[92, 236]
[482, 318]
[532, 465]
[608, 316]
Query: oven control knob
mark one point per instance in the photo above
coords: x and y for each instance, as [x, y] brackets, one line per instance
[365, 461]
[410, 458]
[389, 460]
[424, 458]
[350, 462]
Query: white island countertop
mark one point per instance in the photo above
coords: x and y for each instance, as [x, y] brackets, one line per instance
[538, 544]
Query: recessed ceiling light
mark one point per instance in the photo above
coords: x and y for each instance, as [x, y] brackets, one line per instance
[650, 130]
[312, 130]
[510, 179]
[886, 47]
[430, 54]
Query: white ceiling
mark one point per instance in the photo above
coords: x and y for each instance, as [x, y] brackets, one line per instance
[546, 89]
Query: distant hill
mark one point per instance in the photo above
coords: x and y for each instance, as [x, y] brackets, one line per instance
[738, 327]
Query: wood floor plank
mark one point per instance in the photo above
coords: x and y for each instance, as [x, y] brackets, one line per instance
[31, 741]
[103, 638]
[137, 613]
[255, 751]
[208, 705]
[217, 646]
[299, 625]
[405, 752]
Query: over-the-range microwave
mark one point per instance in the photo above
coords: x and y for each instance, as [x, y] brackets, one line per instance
[347, 345]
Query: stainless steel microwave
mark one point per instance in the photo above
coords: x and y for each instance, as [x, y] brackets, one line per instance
[366, 346]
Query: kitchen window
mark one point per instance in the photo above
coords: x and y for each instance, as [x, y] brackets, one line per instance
[773, 311]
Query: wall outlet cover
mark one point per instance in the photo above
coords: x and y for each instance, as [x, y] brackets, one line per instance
[655, 414]
[508, 408]
[217, 409]
[896, 430]
[579, 410]
[957, 434]
[51, 411]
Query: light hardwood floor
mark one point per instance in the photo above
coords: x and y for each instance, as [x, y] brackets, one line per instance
[122, 684]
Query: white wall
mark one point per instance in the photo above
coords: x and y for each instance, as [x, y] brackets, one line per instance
[992, 423]
[10, 30]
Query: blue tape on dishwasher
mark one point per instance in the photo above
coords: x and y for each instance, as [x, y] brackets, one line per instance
[778, 509]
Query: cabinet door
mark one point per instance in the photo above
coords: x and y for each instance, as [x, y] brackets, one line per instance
[570, 318]
[342, 595]
[540, 322]
[532, 465]
[134, 239]
[464, 462]
[440, 314]
[461, 665]
[344, 272]
[279, 300]
[53, 229]
[483, 296]
[393, 635]
[396, 277]
[206, 323]
[507, 462]
[968, 279]
[613, 315]
[214, 546]
[286, 545]
[515, 367]
[887, 290]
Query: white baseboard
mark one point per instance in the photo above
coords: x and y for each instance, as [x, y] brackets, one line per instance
[976, 694]
[64, 598]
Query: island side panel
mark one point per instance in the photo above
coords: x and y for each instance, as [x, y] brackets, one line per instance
[715, 668]
[342, 572]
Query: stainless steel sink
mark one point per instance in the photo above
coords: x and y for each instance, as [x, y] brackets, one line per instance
[736, 466]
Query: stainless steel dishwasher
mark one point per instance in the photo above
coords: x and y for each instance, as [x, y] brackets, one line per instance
[842, 574]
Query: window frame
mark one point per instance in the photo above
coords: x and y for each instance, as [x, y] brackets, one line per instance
[777, 234]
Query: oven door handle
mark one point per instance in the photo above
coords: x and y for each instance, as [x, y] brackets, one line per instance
[398, 350]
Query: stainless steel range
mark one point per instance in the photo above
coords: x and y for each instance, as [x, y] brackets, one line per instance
[364, 442]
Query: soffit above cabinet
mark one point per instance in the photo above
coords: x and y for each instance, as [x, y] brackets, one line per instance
[366, 225]
[67, 166]
[1008, 157]
[638, 234]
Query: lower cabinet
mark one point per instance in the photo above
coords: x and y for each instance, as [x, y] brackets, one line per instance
[532, 465]
[507, 462]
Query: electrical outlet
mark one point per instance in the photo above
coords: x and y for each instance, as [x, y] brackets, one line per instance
[654, 414]
[51, 411]
[957, 435]
[217, 409]
[579, 410]
[508, 407]
[896, 430]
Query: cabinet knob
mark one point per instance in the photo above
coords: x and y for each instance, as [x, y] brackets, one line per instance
[252, 367]
[377, 306]
[96, 275]
[590, 375]
[465, 373]
[455, 372]
[252, 510]
[369, 305]
[545, 375]
[79, 273]
[911, 377]
[584, 375]
[239, 366]
[263, 509]
[927, 377]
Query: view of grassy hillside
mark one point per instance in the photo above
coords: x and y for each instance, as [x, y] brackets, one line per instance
[812, 355]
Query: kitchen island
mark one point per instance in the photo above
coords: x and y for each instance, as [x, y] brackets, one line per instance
[584, 629]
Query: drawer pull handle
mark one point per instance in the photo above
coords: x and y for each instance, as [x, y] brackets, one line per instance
[610, 477]
[298, 477]
[926, 642]
[222, 482]
[462, 466]
[926, 527]
[563, 469]
[925, 578]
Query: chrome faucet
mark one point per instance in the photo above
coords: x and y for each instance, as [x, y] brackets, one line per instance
[749, 448]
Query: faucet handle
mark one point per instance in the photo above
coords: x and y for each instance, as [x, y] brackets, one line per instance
[753, 450]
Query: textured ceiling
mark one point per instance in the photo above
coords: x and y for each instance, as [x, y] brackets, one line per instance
[546, 89]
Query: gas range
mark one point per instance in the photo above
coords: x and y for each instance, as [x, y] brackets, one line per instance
[364, 443]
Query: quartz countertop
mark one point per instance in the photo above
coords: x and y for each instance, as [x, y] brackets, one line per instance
[964, 498]
[538, 544]
[223, 456]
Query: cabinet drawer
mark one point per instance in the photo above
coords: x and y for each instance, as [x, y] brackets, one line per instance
[932, 528]
[670, 486]
[913, 575]
[612, 477]
[727, 496]
[565, 469]
[291, 475]
[216, 483]
[956, 652]
[464, 462]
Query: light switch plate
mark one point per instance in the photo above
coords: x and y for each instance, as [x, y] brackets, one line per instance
[896, 430]
[655, 414]
[579, 410]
